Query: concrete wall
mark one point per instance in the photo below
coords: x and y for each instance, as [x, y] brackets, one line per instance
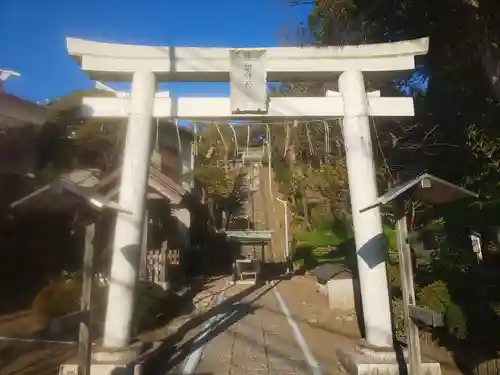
[341, 293]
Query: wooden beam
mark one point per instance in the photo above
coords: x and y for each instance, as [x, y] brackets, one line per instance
[426, 317]
[407, 287]
[85, 338]
[144, 247]
[220, 108]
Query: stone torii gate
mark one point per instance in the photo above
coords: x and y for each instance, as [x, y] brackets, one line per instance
[248, 72]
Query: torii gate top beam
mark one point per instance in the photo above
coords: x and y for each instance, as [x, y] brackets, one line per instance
[117, 62]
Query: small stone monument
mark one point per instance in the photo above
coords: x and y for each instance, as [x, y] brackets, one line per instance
[336, 282]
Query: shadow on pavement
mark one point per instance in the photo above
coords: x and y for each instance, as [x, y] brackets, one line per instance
[171, 352]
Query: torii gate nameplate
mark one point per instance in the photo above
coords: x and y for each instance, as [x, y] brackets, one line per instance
[248, 81]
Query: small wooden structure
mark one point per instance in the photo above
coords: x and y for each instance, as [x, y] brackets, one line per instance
[328, 271]
[247, 267]
[433, 190]
[164, 240]
[339, 285]
[65, 195]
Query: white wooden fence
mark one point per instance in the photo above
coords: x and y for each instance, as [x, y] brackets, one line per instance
[156, 266]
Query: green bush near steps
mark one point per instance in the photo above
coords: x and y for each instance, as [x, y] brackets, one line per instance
[318, 246]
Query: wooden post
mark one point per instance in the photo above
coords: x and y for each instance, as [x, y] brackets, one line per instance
[163, 263]
[85, 338]
[143, 270]
[406, 270]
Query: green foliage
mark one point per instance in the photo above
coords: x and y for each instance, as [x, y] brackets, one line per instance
[150, 305]
[390, 237]
[394, 278]
[333, 241]
[398, 314]
[303, 256]
[62, 296]
[317, 238]
[59, 297]
[456, 321]
[435, 296]
[68, 141]
[282, 175]
[454, 134]
[214, 179]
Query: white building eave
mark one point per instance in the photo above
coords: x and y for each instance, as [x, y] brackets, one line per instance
[15, 108]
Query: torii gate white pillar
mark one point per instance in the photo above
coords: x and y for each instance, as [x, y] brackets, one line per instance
[128, 229]
[368, 231]
[108, 61]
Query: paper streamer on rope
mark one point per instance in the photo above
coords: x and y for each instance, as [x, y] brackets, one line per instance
[248, 136]
[317, 121]
[221, 137]
[235, 138]
[324, 122]
[226, 150]
[287, 138]
[269, 164]
[195, 138]
[327, 137]
[309, 141]
[178, 136]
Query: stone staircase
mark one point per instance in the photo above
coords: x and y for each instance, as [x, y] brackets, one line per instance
[242, 194]
[248, 183]
[261, 220]
[259, 202]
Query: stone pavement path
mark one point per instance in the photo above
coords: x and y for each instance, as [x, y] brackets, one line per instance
[250, 332]
[254, 339]
[254, 333]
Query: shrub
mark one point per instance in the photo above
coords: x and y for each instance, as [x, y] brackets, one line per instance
[150, 305]
[394, 277]
[318, 238]
[455, 321]
[399, 324]
[390, 238]
[62, 296]
[59, 297]
[436, 297]
[303, 256]
[348, 250]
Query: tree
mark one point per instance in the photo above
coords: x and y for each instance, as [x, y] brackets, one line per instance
[454, 134]
[68, 141]
[458, 72]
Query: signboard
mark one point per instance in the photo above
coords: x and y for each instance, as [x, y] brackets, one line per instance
[476, 245]
[248, 81]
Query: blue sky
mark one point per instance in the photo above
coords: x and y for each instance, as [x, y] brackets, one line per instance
[32, 35]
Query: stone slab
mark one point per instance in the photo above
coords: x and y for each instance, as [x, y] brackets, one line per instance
[129, 361]
[103, 369]
[356, 363]
[244, 282]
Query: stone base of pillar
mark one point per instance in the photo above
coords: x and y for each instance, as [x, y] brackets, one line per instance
[128, 361]
[103, 369]
[364, 359]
